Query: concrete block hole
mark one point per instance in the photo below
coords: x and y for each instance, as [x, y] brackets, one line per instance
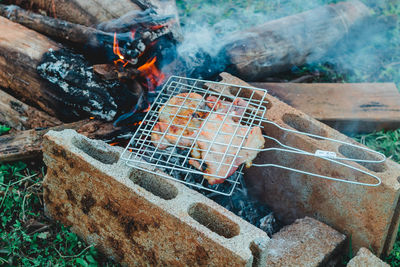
[96, 150]
[213, 220]
[351, 152]
[303, 125]
[156, 185]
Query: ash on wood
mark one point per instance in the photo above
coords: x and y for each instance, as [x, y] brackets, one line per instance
[77, 86]
[280, 44]
[347, 107]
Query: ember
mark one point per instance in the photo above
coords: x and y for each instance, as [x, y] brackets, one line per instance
[151, 73]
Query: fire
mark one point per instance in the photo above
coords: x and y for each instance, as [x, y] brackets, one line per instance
[157, 27]
[118, 52]
[153, 75]
[149, 70]
[147, 109]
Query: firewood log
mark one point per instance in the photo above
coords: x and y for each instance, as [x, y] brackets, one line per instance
[97, 39]
[278, 45]
[20, 116]
[21, 50]
[85, 12]
[75, 91]
[92, 12]
[28, 144]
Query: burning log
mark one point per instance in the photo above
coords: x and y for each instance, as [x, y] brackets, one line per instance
[28, 144]
[75, 91]
[135, 36]
[280, 44]
[20, 116]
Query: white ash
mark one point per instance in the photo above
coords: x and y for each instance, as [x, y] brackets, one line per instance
[75, 85]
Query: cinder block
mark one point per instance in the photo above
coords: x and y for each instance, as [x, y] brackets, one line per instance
[306, 242]
[369, 214]
[365, 258]
[139, 218]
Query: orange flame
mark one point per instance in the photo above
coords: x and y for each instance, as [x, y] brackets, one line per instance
[153, 75]
[147, 109]
[117, 52]
[113, 144]
[157, 27]
[137, 123]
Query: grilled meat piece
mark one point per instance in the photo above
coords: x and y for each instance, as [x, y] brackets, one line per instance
[237, 107]
[179, 118]
[222, 144]
[220, 138]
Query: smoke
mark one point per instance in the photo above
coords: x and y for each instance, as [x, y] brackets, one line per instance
[207, 27]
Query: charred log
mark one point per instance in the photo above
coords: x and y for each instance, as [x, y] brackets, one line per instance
[28, 144]
[20, 116]
[280, 44]
[74, 82]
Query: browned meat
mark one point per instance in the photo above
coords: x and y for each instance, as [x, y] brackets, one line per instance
[182, 113]
[221, 137]
[222, 144]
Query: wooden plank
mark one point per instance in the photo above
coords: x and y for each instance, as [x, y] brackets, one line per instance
[347, 107]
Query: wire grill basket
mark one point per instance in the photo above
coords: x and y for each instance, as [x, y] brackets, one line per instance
[195, 126]
[174, 159]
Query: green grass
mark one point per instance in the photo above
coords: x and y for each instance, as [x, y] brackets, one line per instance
[27, 236]
[4, 129]
[386, 142]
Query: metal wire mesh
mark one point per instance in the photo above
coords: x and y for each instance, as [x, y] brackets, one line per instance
[179, 120]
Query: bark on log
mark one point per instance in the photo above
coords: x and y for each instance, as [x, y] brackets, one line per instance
[51, 27]
[21, 50]
[93, 12]
[131, 49]
[85, 12]
[20, 116]
[28, 144]
[280, 44]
